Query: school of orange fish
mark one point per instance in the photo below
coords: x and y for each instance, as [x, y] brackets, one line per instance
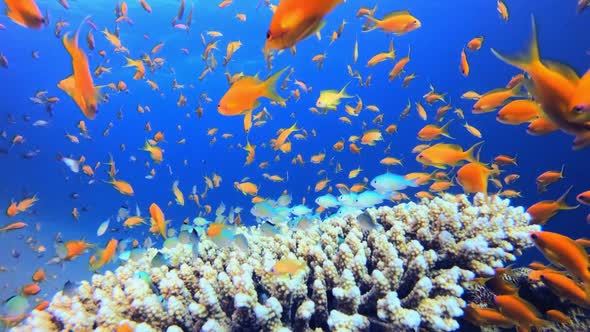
[548, 96]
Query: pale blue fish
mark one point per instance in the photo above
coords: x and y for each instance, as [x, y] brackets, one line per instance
[327, 201]
[269, 229]
[304, 222]
[241, 242]
[347, 199]
[284, 200]
[300, 210]
[367, 222]
[369, 198]
[346, 210]
[263, 210]
[389, 182]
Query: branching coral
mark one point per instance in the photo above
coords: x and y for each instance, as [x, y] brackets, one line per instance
[406, 274]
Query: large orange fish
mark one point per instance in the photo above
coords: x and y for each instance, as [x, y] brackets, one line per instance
[295, 20]
[554, 88]
[80, 85]
[242, 97]
[564, 252]
[25, 13]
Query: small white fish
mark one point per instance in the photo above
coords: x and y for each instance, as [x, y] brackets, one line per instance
[72, 164]
[40, 123]
[103, 227]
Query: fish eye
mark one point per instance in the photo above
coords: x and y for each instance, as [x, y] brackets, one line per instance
[578, 108]
[534, 236]
[268, 34]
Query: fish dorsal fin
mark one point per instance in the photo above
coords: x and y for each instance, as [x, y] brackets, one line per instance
[565, 70]
[453, 147]
[396, 13]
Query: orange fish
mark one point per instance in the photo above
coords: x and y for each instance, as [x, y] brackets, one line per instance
[31, 289]
[558, 316]
[399, 23]
[80, 85]
[13, 226]
[158, 220]
[74, 248]
[473, 177]
[475, 44]
[123, 187]
[521, 312]
[542, 211]
[432, 132]
[519, 111]
[25, 13]
[26, 203]
[464, 65]
[247, 188]
[563, 251]
[553, 87]
[491, 100]
[565, 288]
[442, 155]
[103, 256]
[295, 20]
[42, 306]
[584, 198]
[486, 317]
[12, 209]
[39, 275]
[548, 178]
[242, 97]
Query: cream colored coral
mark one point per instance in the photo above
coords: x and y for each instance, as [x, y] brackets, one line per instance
[425, 252]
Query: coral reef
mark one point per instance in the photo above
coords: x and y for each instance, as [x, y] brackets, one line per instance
[408, 272]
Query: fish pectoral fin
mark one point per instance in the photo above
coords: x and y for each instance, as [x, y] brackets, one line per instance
[313, 28]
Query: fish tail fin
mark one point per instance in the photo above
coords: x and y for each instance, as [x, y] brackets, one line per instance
[527, 60]
[70, 44]
[561, 172]
[342, 92]
[130, 62]
[470, 154]
[375, 24]
[445, 129]
[270, 86]
[95, 261]
[562, 204]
